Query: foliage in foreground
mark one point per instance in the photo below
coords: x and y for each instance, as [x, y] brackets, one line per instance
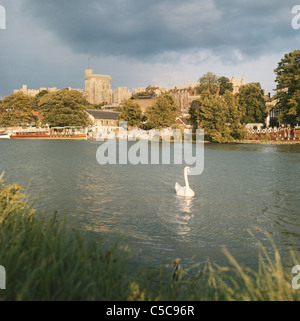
[47, 260]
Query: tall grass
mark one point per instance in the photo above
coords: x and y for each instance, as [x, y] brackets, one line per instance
[45, 259]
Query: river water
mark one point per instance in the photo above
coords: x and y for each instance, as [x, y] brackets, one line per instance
[243, 187]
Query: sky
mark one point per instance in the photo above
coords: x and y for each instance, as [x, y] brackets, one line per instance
[140, 43]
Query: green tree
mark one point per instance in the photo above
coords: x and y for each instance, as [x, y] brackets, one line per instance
[212, 118]
[234, 116]
[288, 88]
[64, 108]
[37, 98]
[162, 113]
[252, 103]
[16, 110]
[98, 106]
[225, 84]
[195, 112]
[208, 82]
[219, 117]
[131, 112]
[143, 94]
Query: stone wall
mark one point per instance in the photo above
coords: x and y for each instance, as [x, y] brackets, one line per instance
[121, 94]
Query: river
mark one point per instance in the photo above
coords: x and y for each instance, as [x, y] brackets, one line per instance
[243, 188]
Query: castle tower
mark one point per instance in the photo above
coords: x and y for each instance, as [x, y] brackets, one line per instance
[97, 88]
[237, 84]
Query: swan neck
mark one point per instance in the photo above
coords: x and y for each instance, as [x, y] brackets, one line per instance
[186, 180]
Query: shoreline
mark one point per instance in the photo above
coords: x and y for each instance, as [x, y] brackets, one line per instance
[268, 142]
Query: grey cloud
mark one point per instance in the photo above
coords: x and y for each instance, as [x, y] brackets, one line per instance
[144, 29]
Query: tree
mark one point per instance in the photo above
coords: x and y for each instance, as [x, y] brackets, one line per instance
[225, 84]
[252, 103]
[162, 113]
[98, 106]
[64, 108]
[219, 117]
[15, 110]
[37, 98]
[131, 112]
[143, 94]
[195, 113]
[234, 116]
[211, 116]
[208, 82]
[288, 88]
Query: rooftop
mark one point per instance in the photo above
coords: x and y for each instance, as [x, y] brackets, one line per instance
[101, 114]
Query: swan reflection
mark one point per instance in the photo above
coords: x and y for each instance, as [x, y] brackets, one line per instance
[184, 203]
[183, 216]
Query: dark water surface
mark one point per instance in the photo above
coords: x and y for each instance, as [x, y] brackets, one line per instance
[243, 187]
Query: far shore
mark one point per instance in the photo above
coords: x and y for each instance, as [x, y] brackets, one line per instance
[269, 142]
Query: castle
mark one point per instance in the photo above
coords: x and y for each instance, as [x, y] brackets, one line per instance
[98, 91]
[237, 84]
[97, 88]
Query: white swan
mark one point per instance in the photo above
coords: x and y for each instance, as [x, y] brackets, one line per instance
[184, 190]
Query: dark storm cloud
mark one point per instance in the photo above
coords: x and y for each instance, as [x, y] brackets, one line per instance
[142, 28]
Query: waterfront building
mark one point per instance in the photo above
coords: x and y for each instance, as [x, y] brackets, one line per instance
[101, 118]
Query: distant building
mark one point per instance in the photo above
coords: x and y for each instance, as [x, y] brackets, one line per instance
[237, 84]
[34, 92]
[28, 92]
[112, 107]
[120, 94]
[144, 102]
[184, 96]
[255, 126]
[157, 90]
[97, 88]
[138, 90]
[183, 120]
[102, 118]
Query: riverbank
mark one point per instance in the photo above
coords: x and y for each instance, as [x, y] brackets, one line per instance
[45, 259]
[269, 142]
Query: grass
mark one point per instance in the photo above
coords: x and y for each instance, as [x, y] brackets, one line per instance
[45, 259]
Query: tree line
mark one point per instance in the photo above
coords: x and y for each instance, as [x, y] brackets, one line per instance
[220, 112]
[61, 108]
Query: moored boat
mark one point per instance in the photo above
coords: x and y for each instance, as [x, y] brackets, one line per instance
[4, 135]
[73, 133]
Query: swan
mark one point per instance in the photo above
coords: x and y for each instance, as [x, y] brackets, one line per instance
[184, 190]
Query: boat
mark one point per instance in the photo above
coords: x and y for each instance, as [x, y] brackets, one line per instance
[73, 133]
[4, 135]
